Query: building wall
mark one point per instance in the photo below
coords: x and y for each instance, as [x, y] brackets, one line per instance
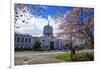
[27, 41]
[23, 41]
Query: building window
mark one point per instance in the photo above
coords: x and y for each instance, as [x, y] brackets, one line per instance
[29, 40]
[18, 40]
[25, 40]
[22, 40]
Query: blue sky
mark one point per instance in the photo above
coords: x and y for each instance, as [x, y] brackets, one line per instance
[51, 10]
[35, 17]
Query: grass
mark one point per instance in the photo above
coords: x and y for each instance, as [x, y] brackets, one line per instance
[79, 56]
[64, 56]
[84, 56]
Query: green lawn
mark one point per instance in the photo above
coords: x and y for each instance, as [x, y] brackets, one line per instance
[64, 56]
[79, 56]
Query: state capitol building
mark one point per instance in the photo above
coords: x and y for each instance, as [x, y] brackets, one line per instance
[47, 40]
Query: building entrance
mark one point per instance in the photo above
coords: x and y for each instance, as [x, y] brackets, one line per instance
[51, 45]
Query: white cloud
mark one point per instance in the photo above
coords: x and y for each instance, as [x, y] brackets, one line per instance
[34, 24]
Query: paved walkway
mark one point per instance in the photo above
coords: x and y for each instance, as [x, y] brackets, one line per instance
[32, 53]
[33, 57]
[42, 57]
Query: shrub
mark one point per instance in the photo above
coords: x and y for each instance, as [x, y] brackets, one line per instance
[37, 46]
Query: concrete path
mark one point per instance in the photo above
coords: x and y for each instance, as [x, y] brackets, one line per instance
[33, 57]
[41, 57]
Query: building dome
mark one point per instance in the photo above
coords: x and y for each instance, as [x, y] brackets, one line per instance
[48, 30]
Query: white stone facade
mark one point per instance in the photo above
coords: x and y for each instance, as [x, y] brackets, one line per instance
[47, 40]
[23, 41]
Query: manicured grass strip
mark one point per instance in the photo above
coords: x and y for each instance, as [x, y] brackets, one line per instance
[64, 56]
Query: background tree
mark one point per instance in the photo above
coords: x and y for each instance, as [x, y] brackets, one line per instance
[22, 10]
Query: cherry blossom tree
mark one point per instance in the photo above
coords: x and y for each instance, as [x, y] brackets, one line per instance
[75, 26]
